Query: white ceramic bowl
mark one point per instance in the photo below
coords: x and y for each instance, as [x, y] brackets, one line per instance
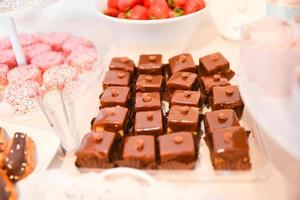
[151, 35]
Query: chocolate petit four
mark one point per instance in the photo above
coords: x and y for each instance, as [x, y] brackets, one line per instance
[149, 83]
[97, 150]
[219, 119]
[187, 97]
[227, 97]
[7, 189]
[215, 63]
[182, 81]
[139, 152]
[147, 101]
[123, 64]
[116, 78]
[177, 151]
[150, 64]
[184, 118]
[149, 123]
[114, 119]
[20, 158]
[230, 150]
[183, 63]
[3, 145]
[114, 96]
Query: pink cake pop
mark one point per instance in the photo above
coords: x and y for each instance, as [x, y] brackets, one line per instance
[8, 57]
[23, 73]
[47, 60]
[55, 40]
[3, 76]
[28, 39]
[75, 43]
[82, 59]
[5, 44]
[59, 76]
[35, 49]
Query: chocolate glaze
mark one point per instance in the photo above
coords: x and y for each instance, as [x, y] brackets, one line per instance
[116, 78]
[114, 96]
[149, 83]
[150, 64]
[147, 101]
[4, 195]
[182, 62]
[182, 81]
[186, 97]
[208, 82]
[15, 162]
[123, 64]
[148, 123]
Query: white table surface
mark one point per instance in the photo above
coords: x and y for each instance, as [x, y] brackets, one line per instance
[275, 188]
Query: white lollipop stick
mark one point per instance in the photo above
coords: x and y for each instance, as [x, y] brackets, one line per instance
[14, 39]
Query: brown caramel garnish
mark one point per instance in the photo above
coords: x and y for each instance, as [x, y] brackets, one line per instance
[121, 75]
[227, 137]
[111, 111]
[184, 110]
[98, 137]
[229, 91]
[185, 75]
[124, 60]
[187, 93]
[149, 116]
[146, 97]
[214, 57]
[182, 58]
[178, 139]
[222, 117]
[114, 92]
[216, 77]
[149, 78]
[139, 145]
[152, 58]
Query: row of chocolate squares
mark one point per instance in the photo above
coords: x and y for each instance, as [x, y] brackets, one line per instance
[211, 64]
[228, 147]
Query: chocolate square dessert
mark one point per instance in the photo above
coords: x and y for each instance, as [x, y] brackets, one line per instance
[149, 123]
[149, 83]
[176, 148]
[97, 150]
[150, 64]
[186, 97]
[182, 63]
[140, 151]
[227, 97]
[114, 119]
[116, 78]
[147, 101]
[114, 96]
[215, 63]
[182, 81]
[208, 82]
[230, 150]
[123, 64]
[184, 118]
[219, 119]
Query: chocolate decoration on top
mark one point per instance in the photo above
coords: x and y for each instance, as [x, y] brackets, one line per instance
[152, 58]
[15, 161]
[222, 117]
[185, 75]
[124, 59]
[121, 75]
[187, 93]
[229, 91]
[214, 57]
[182, 58]
[149, 116]
[184, 110]
[178, 139]
[216, 77]
[98, 138]
[139, 144]
[114, 92]
[149, 78]
[4, 195]
[147, 97]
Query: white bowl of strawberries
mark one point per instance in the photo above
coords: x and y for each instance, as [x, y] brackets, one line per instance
[152, 25]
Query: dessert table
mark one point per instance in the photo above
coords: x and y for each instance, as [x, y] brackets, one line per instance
[275, 187]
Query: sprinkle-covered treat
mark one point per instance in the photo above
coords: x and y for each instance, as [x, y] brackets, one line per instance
[74, 43]
[47, 60]
[7, 189]
[7, 57]
[116, 78]
[113, 119]
[59, 77]
[227, 97]
[35, 49]
[3, 76]
[147, 101]
[149, 123]
[183, 63]
[97, 150]
[83, 59]
[20, 157]
[215, 63]
[219, 119]
[28, 39]
[149, 83]
[187, 97]
[150, 64]
[177, 151]
[123, 64]
[5, 44]
[182, 81]
[23, 73]
[184, 118]
[139, 151]
[230, 149]
[55, 39]
[114, 96]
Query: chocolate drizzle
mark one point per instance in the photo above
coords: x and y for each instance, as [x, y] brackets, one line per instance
[4, 195]
[15, 162]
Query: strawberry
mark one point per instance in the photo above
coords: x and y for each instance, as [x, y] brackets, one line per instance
[138, 12]
[112, 4]
[192, 6]
[125, 5]
[159, 10]
[148, 3]
[179, 3]
[111, 12]
[122, 15]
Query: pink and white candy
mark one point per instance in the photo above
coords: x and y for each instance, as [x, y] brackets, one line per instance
[82, 59]
[23, 73]
[47, 60]
[55, 40]
[74, 43]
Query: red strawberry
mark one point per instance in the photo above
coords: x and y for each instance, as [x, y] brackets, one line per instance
[192, 6]
[138, 12]
[111, 12]
[122, 15]
[148, 3]
[125, 5]
[113, 3]
[159, 10]
[179, 3]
